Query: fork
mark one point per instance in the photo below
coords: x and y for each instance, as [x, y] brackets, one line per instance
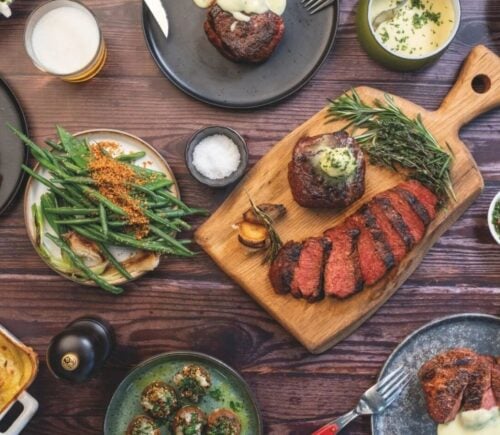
[314, 6]
[375, 400]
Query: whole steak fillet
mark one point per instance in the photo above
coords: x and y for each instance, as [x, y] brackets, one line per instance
[253, 41]
[310, 188]
[458, 380]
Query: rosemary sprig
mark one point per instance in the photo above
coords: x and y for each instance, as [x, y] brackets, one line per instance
[394, 140]
[275, 242]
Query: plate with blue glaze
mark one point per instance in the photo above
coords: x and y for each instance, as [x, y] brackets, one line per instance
[408, 415]
[233, 392]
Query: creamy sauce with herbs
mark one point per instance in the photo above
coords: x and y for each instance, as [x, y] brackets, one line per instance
[335, 162]
[242, 9]
[479, 422]
[419, 28]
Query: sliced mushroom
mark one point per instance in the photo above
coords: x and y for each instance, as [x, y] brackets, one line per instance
[274, 211]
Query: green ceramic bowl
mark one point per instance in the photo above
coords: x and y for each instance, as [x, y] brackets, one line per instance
[389, 59]
[125, 403]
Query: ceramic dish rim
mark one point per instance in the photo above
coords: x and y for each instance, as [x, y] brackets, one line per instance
[458, 10]
[428, 325]
[190, 354]
[493, 231]
[24, 126]
[241, 106]
[35, 168]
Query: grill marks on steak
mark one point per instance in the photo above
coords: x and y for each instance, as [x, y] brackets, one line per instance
[457, 379]
[310, 189]
[342, 270]
[308, 274]
[375, 255]
[363, 249]
[253, 41]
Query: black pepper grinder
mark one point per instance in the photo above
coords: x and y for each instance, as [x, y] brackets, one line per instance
[81, 349]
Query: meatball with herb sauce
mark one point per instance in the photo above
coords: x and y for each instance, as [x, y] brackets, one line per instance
[142, 425]
[223, 422]
[193, 382]
[159, 400]
[189, 420]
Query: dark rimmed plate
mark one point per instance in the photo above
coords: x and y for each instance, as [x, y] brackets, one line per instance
[190, 61]
[12, 151]
[125, 403]
[408, 415]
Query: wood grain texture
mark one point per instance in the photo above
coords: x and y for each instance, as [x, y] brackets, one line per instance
[194, 305]
[320, 325]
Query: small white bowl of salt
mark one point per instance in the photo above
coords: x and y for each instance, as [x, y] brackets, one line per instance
[217, 156]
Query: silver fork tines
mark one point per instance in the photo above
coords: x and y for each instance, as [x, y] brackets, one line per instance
[314, 6]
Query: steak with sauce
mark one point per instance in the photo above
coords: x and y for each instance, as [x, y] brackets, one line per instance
[458, 380]
[240, 41]
[312, 187]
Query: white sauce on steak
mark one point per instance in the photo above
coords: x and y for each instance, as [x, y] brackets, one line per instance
[478, 422]
[242, 9]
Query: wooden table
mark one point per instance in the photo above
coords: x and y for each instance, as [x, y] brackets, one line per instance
[192, 304]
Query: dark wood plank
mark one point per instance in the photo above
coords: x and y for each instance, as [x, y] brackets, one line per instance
[187, 305]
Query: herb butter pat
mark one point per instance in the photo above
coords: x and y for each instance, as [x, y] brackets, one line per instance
[335, 162]
[420, 27]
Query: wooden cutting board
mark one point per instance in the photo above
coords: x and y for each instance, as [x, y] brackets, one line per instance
[321, 325]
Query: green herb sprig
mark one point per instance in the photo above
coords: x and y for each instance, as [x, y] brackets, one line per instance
[275, 242]
[394, 140]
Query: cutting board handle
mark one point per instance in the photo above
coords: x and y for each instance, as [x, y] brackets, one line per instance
[476, 91]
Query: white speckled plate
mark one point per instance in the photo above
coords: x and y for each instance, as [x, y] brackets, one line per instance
[408, 415]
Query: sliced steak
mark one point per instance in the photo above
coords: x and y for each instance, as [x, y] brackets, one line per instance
[423, 194]
[253, 41]
[342, 270]
[375, 255]
[396, 243]
[495, 378]
[308, 274]
[311, 186]
[415, 204]
[444, 379]
[478, 393]
[282, 268]
[396, 221]
[410, 218]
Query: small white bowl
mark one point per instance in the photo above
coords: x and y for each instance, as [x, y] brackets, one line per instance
[493, 232]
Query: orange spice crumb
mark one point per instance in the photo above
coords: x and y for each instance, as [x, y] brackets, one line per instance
[113, 180]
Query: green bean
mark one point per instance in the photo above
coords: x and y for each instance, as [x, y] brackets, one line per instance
[88, 233]
[77, 221]
[111, 258]
[159, 184]
[74, 180]
[173, 198]
[103, 219]
[96, 195]
[47, 201]
[154, 217]
[82, 266]
[169, 239]
[55, 145]
[52, 186]
[131, 157]
[72, 211]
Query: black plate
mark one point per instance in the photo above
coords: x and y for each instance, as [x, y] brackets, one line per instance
[408, 414]
[12, 151]
[190, 61]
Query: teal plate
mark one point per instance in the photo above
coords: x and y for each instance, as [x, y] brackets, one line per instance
[124, 405]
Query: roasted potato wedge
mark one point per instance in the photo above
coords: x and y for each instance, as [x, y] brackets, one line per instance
[252, 235]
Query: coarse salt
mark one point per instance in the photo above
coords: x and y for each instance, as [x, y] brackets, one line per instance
[216, 157]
